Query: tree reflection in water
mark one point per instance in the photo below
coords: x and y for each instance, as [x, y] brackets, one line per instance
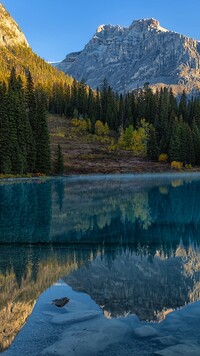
[132, 244]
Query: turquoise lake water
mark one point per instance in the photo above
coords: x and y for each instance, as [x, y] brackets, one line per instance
[124, 249]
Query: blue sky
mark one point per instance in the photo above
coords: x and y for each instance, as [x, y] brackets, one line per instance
[55, 28]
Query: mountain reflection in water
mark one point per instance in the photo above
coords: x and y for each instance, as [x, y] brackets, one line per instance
[131, 244]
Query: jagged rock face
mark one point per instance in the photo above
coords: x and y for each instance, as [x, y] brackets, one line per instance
[130, 56]
[67, 63]
[10, 33]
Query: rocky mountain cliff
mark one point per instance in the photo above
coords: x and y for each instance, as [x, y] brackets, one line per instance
[10, 33]
[130, 56]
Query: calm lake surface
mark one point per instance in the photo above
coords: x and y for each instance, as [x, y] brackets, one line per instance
[125, 250]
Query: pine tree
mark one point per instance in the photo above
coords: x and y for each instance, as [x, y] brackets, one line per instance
[175, 142]
[128, 111]
[196, 112]
[196, 141]
[187, 151]
[98, 109]
[5, 149]
[140, 104]
[152, 146]
[111, 113]
[43, 160]
[133, 109]
[67, 101]
[22, 124]
[163, 116]
[183, 107]
[155, 108]
[181, 143]
[91, 105]
[15, 128]
[104, 100]
[82, 98]
[121, 116]
[31, 130]
[148, 97]
[173, 108]
[74, 97]
[59, 163]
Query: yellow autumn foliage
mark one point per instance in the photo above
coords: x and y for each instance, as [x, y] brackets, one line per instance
[101, 129]
[176, 165]
[83, 125]
[163, 157]
[135, 139]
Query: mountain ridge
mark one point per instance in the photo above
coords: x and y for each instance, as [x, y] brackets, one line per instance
[15, 51]
[130, 56]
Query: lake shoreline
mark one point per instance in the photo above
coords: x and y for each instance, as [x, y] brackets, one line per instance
[111, 168]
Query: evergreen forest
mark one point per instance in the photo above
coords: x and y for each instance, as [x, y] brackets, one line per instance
[24, 137]
[153, 125]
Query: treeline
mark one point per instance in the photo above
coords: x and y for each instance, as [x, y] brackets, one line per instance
[173, 123]
[24, 138]
[147, 123]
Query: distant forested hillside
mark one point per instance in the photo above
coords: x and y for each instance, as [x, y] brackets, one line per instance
[25, 60]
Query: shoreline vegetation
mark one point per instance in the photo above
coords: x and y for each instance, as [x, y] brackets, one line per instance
[74, 130]
[92, 154]
[142, 167]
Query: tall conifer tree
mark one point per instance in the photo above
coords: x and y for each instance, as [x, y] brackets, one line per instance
[43, 159]
[5, 147]
[31, 132]
[59, 163]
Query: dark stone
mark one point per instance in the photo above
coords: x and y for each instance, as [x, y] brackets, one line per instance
[60, 302]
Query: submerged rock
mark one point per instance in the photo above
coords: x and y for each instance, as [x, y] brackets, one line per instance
[61, 302]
